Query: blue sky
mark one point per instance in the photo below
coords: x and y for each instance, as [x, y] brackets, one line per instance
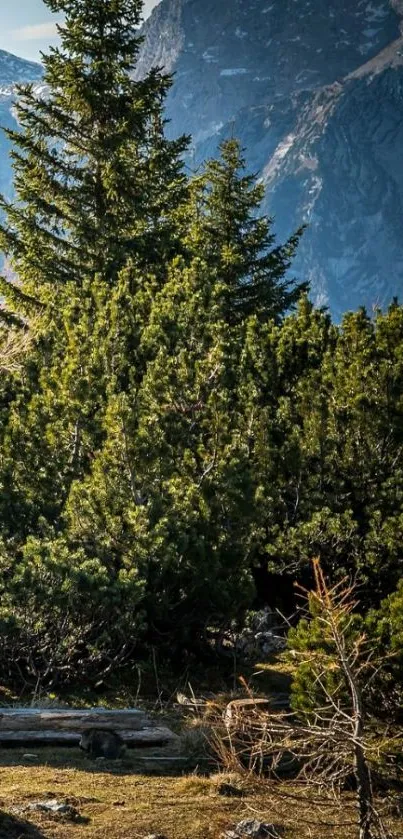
[27, 26]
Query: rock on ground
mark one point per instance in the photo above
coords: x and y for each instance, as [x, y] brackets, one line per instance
[253, 829]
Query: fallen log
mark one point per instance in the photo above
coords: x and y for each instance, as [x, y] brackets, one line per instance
[32, 719]
[157, 736]
[51, 726]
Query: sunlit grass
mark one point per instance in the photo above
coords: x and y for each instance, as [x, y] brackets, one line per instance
[122, 803]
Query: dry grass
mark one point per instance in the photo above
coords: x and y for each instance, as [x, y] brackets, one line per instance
[121, 803]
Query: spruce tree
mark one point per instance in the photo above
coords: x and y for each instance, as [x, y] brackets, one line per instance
[238, 242]
[129, 449]
[95, 178]
[97, 188]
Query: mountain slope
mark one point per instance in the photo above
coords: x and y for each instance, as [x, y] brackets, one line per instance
[315, 92]
[13, 71]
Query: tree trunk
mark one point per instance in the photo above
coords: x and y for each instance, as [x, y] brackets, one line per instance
[364, 793]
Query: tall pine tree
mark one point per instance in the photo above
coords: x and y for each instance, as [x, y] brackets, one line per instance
[95, 178]
[173, 491]
[88, 238]
[238, 242]
[97, 187]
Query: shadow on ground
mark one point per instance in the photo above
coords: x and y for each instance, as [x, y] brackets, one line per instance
[134, 762]
[12, 827]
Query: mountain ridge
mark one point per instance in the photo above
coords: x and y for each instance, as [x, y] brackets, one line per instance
[254, 68]
[13, 71]
[304, 86]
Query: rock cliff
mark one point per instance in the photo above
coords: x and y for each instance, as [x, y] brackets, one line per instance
[314, 90]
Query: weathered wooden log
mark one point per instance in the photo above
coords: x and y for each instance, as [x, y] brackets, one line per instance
[157, 736]
[41, 719]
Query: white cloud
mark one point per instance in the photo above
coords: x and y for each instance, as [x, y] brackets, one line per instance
[37, 32]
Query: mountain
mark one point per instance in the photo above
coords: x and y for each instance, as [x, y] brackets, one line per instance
[13, 71]
[314, 90]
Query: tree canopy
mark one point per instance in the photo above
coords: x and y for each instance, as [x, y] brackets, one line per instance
[183, 414]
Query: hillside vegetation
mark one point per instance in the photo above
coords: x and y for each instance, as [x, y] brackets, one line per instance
[181, 431]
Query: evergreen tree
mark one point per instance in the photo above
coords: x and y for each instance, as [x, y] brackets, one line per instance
[289, 439]
[238, 244]
[330, 460]
[97, 189]
[95, 178]
[171, 490]
[90, 234]
[385, 627]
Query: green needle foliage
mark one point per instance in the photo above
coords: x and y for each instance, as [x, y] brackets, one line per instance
[95, 178]
[238, 243]
[125, 447]
[92, 229]
[97, 186]
[171, 490]
[174, 427]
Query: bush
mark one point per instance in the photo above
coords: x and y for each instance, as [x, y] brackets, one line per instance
[63, 614]
[385, 627]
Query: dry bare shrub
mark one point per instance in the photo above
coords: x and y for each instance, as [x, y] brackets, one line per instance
[336, 740]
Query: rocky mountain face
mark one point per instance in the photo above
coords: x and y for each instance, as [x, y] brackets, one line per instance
[314, 90]
[13, 71]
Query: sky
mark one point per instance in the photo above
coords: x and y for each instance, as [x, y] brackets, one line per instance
[27, 26]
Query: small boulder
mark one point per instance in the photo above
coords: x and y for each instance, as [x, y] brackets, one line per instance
[253, 829]
[56, 808]
[155, 836]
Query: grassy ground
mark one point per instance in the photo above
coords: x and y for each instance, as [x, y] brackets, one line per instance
[121, 803]
[138, 797]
